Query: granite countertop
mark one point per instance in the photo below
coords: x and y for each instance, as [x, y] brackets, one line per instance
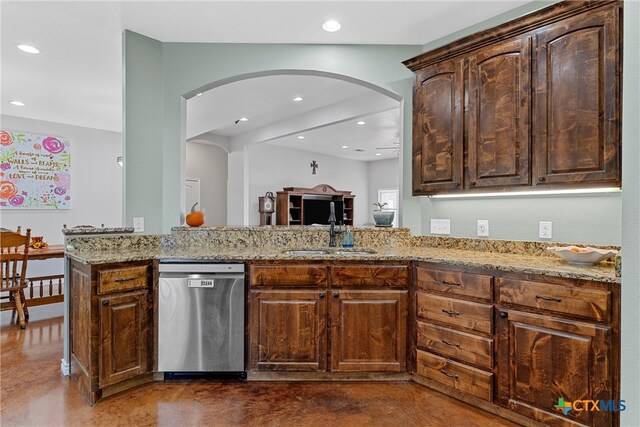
[604, 272]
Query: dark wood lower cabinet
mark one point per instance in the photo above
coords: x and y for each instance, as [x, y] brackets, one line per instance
[288, 330]
[124, 336]
[342, 317]
[368, 330]
[110, 331]
[542, 359]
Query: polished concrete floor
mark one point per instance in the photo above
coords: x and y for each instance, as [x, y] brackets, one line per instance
[34, 393]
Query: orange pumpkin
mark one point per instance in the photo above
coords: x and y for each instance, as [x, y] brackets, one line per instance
[195, 218]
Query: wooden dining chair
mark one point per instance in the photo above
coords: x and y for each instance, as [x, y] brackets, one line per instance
[14, 252]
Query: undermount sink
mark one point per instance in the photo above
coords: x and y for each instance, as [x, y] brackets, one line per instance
[354, 252]
[307, 252]
[329, 252]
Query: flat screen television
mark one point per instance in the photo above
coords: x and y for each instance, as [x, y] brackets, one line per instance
[316, 210]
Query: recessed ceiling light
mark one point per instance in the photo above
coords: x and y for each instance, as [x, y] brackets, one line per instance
[243, 119]
[298, 98]
[199, 94]
[300, 136]
[29, 49]
[345, 146]
[378, 154]
[17, 103]
[361, 123]
[331, 26]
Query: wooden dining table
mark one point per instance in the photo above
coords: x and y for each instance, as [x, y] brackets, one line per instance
[53, 251]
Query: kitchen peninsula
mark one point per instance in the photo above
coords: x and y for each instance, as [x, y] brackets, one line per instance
[466, 317]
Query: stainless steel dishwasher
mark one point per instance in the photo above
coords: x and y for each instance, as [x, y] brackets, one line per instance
[201, 319]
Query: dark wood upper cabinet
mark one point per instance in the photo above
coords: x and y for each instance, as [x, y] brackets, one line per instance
[437, 128]
[499, 131]
[531, 104]
[578, 100]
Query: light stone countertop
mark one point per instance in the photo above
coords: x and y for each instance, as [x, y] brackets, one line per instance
[557, 267]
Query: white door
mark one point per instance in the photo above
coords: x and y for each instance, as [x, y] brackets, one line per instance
[192, 194]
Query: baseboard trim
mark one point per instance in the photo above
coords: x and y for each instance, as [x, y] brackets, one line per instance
[64, 367]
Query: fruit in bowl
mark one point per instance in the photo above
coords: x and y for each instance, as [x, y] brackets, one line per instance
[38, 243]
[582, 256]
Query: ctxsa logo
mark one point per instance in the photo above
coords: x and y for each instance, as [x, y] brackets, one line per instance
[589, 405]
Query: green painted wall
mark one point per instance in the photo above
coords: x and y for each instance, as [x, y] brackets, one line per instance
[143, 130]
[189, 66]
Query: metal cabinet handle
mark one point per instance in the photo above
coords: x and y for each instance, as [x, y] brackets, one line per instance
[542, 179]
[336, 295]
[451, 312]
[504, 314]
[451, 344]
[442, 371]
[105, 303]
[542, 297]
[124, 279]
[321, 295]
[444, 282]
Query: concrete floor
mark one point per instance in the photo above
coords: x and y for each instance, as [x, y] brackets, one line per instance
[34, 393]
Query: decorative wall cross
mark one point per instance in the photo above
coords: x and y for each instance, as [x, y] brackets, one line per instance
[314, 166]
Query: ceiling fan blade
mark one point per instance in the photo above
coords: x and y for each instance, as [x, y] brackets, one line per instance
[386, 148]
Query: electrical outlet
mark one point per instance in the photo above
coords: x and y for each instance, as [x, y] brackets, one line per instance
[138, 224]
[483, 228]
[545, 229]
[440, 226]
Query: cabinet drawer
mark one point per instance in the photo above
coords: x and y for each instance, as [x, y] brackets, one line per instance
[588, 303]
[371, 275]
[122, 279]
[462, 314]
[456, 345]
[455, 283]
[288, 275]
[461, 377]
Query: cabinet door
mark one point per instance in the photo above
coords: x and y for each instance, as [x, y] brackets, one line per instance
[437, 128]
[578, 100]
[542, 359]
[368, 331]
[288, 330]
[499, 136]
[124, 337]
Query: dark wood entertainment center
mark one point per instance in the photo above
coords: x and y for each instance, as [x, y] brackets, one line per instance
[290, 208]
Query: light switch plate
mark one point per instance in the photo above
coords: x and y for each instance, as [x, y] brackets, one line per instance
[483, 228]
[545, 229]
[440, 226]
[138, 224]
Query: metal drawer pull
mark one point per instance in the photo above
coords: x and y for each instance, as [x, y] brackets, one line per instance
[542, 297]
[451, 312]
[444, 282]
[124, 279]
[442, 371]
[451, 344]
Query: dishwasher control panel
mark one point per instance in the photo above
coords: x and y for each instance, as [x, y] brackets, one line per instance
[182, 267]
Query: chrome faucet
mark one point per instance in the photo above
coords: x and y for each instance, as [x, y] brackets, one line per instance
[332, 226]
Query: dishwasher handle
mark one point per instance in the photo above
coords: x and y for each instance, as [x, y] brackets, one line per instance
[208, 276]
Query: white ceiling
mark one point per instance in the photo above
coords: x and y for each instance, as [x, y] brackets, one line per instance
[77, 77]
[325, 117]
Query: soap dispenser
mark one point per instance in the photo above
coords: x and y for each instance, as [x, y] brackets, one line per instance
[347, 238]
